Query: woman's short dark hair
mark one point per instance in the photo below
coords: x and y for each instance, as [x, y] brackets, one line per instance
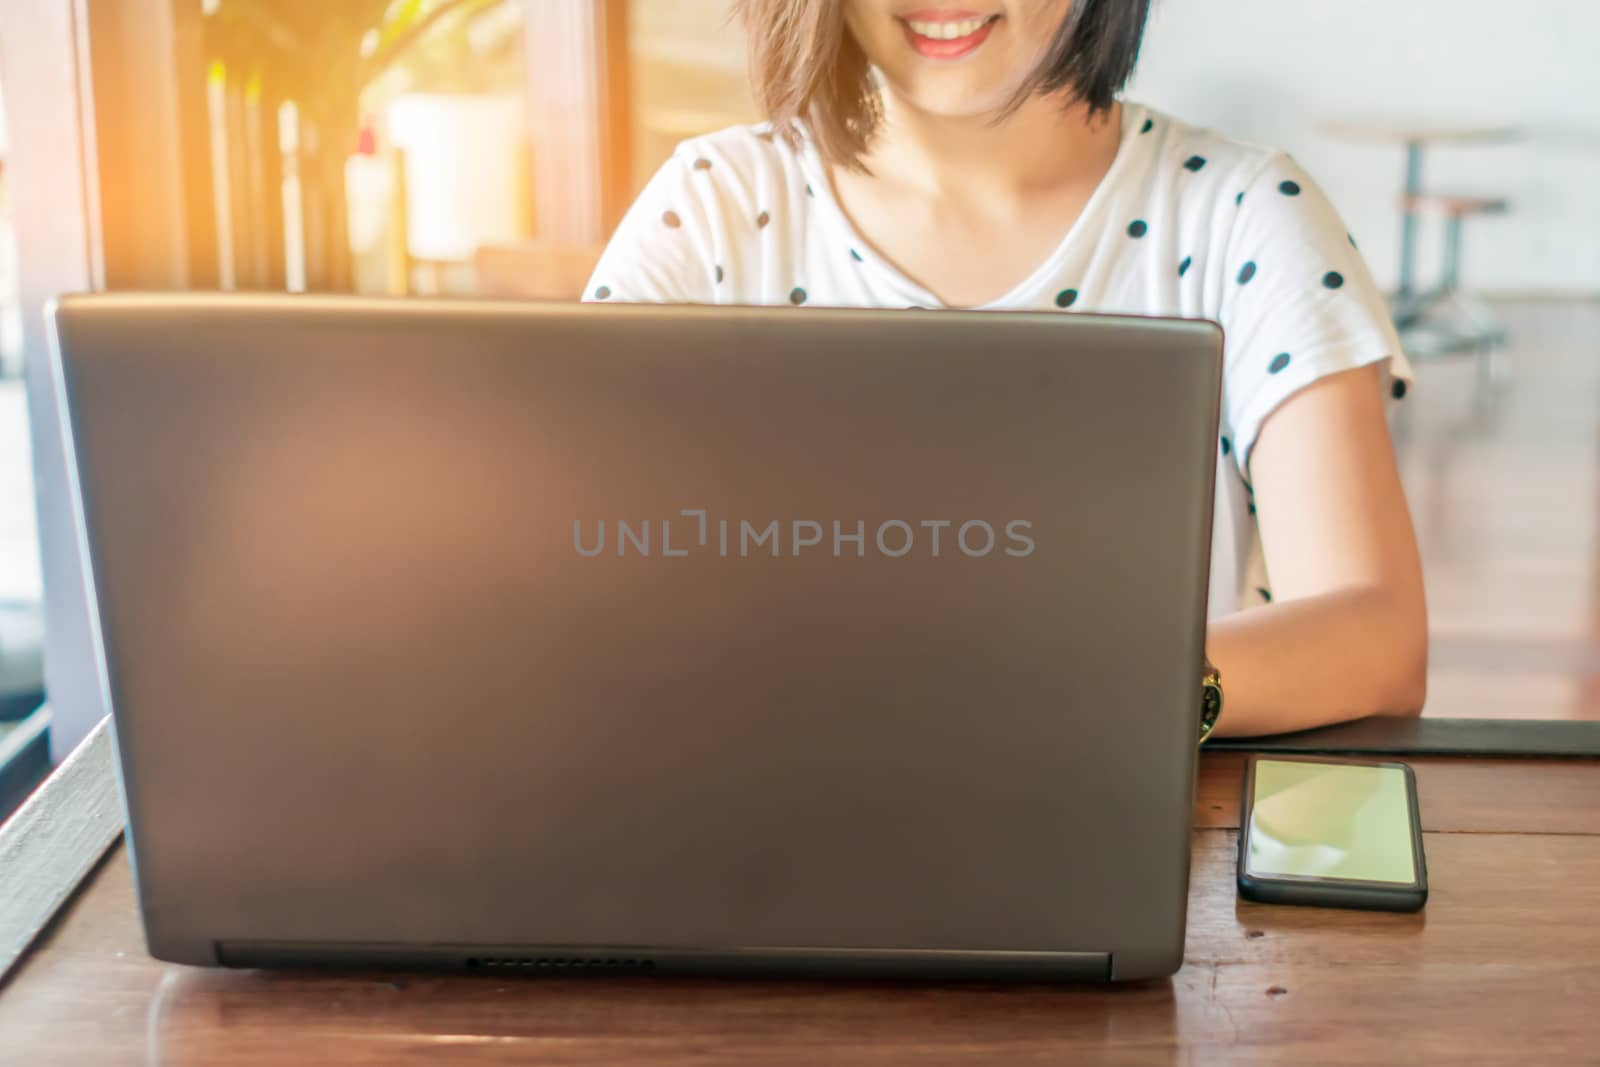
[807, 67]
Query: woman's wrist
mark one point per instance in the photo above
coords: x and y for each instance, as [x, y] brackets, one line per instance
[1210, 698]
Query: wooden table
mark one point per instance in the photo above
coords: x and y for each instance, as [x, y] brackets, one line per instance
[1503, 967]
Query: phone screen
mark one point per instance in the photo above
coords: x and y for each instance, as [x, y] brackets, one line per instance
[1331, 820]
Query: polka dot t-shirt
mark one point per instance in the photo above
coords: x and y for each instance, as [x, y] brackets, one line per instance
[1186, 223]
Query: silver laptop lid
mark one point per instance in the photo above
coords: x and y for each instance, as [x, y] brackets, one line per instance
[836, 632]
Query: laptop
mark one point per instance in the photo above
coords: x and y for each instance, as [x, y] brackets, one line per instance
[670, 640]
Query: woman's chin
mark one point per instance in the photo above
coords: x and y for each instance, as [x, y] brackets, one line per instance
[950, 98]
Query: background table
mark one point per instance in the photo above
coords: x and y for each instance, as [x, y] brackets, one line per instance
[1502, 967]
[1415, 139]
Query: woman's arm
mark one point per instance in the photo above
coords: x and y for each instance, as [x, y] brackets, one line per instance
[1347, 633]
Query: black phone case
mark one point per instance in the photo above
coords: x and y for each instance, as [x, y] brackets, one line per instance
[1330, 893]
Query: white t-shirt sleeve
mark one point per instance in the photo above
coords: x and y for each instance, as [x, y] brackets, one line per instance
[1298, 303]
[661, 253]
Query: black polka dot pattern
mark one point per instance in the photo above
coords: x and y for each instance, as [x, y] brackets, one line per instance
[603, 293]
[1067, 298]
[1398, 389]
[1148, 125]
[1227, 446]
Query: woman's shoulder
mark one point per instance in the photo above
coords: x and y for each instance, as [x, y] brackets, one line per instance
[737, 174]
[1175, 144]
[750, 155]
[689, 233]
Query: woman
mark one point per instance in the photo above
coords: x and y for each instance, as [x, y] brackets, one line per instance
[924, 155]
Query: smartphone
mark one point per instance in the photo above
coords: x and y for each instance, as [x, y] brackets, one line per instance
[1334, 833]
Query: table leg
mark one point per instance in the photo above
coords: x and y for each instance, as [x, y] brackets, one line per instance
[1408, 217]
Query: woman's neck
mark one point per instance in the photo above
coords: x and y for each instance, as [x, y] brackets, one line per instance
[1040, 149]
[1005, 194]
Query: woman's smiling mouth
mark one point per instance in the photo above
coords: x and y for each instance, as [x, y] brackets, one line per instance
[947, 34]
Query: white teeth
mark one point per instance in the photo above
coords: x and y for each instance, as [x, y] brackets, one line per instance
[948, 31]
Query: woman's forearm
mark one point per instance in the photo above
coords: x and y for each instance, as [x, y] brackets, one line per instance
[1319, 660]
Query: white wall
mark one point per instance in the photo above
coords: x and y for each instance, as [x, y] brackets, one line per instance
[1269, 70]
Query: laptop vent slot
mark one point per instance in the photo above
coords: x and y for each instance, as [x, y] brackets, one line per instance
[562, 964]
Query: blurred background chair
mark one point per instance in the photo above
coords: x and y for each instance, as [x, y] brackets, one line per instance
[1442, 318]
[1447, 318]
[535, 270]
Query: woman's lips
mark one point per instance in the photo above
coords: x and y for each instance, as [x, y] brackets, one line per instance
[947, 34]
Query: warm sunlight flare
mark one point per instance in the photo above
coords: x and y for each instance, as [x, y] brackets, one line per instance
[810, 531]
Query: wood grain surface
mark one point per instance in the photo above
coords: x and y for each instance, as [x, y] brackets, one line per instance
[1502, 967]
